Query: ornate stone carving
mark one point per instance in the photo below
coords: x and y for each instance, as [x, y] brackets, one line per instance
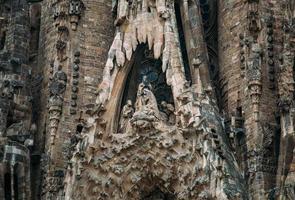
[54, 184]
[126, 115]
[189, 109]
[75, 12]
[174, 141]
[270, 50]
[57, 89]
[191, 129]
[254, 78]
[146, 107]
[253, 18]
[169, 112]
[75, 82]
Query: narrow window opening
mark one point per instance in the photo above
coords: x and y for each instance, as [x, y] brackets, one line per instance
[209, 19]
[7, 186]
[35, 18]
[15, 182]
[277, 137]
[2, 39]
[182, 42]
[239, 111]
[79, 128]
[10, 119]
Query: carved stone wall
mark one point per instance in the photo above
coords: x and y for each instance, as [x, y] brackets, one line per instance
[18, 128]
[147, 99]
[73, 58]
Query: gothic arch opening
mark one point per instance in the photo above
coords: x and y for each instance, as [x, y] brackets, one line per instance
[147, 70]
[7, 186]
[146, 66]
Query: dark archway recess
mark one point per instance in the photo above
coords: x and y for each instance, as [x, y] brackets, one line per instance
[145, 65]
[157, 194]
[210, 25]
[79, 128]
[7, 186]
[16, 182]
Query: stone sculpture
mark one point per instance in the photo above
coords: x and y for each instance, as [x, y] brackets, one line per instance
[126, 115]
[147, 99]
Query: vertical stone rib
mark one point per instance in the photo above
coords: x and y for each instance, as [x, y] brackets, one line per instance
[2, 172]
[195, 43]
[285, 172]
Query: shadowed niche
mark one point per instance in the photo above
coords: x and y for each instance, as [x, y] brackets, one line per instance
[145, 72]
[146, 65]
[157, 194]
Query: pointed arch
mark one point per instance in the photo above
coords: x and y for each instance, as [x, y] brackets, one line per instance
[129, 77]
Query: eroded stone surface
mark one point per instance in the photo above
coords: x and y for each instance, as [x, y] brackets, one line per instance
[147, 99]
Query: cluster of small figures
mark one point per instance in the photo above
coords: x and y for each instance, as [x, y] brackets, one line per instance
[146, 113]
[146, 110]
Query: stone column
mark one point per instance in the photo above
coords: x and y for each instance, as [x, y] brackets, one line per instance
[195, 43]
[247, 84]
[75, 38]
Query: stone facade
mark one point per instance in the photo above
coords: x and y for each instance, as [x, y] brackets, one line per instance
[147, 99]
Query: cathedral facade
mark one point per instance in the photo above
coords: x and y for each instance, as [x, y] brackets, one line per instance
[147, 99]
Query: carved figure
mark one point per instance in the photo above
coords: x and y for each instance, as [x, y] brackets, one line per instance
[75, 11]
[146, 106]
[58, 85]
[168, 110]
[254, 78]
[55, 109]
[254, 63]
[57, 89]
[189, 109]
[126, 115]
[145, 98]
[75, 139]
